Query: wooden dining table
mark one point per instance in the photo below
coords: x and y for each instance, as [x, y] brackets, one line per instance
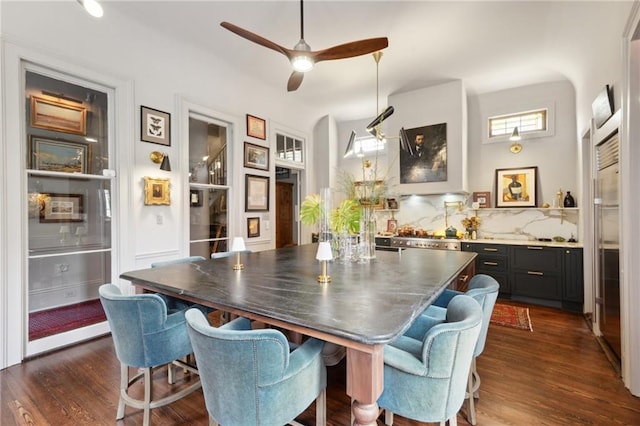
[364, 307]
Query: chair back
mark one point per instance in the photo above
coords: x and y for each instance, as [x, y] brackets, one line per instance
[174, 261]
[246, 374]
[432, 388]
[143, 334]
[484, 289]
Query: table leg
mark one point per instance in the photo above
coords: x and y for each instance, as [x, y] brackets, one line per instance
[365, 376]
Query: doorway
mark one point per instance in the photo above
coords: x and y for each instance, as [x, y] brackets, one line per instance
[286, 207]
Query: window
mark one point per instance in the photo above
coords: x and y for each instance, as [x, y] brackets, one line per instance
[526, 122]
[289, 148]
[208, 185]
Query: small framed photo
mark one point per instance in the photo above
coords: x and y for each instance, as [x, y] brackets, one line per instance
[256, 127]
[392, 204]
[155, 126]
[61, 208]
[253, 227]
[256, 193]
[483, 199]
[195, 198]
[516, 187]
[156, 191]
[58, 115]
[256, 156]
[59, 156]
[392, 225]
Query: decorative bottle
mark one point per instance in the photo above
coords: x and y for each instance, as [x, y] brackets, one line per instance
[569, 201]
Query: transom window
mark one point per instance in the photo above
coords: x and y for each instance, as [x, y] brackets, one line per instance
[526, 122]
[289, 148]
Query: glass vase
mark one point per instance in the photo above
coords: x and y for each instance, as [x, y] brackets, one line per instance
[367, 233]
[326, 204]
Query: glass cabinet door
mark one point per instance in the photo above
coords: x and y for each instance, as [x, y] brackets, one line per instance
[69, 203]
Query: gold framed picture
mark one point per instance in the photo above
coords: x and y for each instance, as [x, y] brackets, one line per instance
[253, 227]
[59, 156]
[53, 114]
[156, 191]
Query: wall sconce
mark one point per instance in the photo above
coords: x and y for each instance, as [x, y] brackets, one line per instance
[323, 255]
[353, 147]
[162, 159]
[515, 139]
[238, 247]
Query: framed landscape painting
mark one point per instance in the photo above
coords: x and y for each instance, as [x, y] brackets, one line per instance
[59, 156]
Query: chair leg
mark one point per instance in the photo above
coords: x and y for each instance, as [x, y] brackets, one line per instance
[453, 421]
[388, 418]
[321, 408]
[213, 422]
[147, 396]
[170, 377]
[124, 385]
[471, 409]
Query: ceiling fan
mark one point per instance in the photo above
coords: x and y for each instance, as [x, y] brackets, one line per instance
[302, 57]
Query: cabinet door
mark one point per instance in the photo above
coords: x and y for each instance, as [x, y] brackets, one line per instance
[536, 258]
[537, 284]
[573, 290]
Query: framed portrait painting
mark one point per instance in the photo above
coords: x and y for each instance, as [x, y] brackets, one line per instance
[516, 187]
[425, 157]
[155, 126]
[156, 191]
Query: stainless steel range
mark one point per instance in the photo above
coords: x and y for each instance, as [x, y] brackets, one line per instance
[417, 242]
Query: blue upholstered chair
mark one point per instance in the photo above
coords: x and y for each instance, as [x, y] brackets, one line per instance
[484, 289]
[250, 377]
[426, 369]
[145, 336]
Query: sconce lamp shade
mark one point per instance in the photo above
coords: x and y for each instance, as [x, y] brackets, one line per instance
[351, 145]
[379, 119]
[515, 136]
[166, 166]
[238, 244]
[405, 143]
[324, 251]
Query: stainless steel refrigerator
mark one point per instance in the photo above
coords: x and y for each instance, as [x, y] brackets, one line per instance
[607, 213]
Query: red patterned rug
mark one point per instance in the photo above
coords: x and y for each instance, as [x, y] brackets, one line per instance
[65, 318]
[511, 316]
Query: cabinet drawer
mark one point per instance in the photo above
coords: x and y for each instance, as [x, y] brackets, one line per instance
[537, 258]
[482, 248]
[536, 284]
[492, 263]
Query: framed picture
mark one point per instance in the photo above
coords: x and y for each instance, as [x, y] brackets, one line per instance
[58, 115]
[61, 208]
[426, 157]
[195, 198]
[483, 199]
[392, 225]
[253, 227]
[392, 204]
[59, 156]
[256, 156]
[516, 187]
[364, 191]
[156, 191]
[155, 126]
[256, 127]
[257, 193]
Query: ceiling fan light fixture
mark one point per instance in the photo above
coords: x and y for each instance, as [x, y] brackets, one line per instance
[92, 7]
[302, 61]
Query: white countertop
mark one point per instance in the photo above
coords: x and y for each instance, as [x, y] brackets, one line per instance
[525, 242]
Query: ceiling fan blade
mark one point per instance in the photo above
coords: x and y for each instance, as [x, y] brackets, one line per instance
[295, 80]
[349, 50]
[256, 38]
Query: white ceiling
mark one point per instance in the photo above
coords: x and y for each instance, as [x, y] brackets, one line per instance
[489, 45]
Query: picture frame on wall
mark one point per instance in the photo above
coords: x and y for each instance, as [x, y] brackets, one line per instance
[483, 198]
[256, 156]
[58, 115]
[516, 187]
[253, 227]
[156, 191]
[55, 208]
[256, 127]
[256, 193]
[195, 197]
[155, 126]
[59, 155]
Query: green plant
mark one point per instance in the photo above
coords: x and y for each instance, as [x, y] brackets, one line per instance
[345, 218]
[310, 209]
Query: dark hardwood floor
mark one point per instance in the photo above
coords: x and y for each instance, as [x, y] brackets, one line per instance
[555, 375]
